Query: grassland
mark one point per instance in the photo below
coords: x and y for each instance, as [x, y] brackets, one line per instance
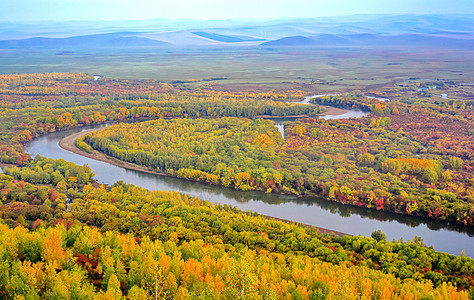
[328, 70]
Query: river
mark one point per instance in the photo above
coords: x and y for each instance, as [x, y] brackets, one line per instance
[280, 122]
[315, 211]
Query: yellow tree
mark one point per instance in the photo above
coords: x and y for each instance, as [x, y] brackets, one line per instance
[53, 252]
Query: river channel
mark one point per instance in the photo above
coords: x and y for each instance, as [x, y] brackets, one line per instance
[315, 211]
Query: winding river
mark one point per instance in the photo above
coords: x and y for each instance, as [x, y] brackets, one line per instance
[315, 211]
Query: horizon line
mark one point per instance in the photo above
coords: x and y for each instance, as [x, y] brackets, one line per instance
[235, 19]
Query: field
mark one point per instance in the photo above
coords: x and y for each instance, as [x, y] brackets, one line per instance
[240, 68]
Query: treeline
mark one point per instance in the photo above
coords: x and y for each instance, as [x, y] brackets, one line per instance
[46, 170]
[444, 125]
[82, 263]
[357, 100]
[127, 241]
[363, 163]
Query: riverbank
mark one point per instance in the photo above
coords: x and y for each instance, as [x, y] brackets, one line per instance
[332, 111]
[329, 111]
[4, 165]
[68, 143]
[320, 229]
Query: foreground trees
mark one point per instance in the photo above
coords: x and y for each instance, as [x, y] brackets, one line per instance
[82, 263]
[125, 241]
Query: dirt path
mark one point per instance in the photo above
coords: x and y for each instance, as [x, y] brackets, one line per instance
[68, 143]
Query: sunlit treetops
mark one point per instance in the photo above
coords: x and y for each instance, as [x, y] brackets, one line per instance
[124, 236]
[82, 262]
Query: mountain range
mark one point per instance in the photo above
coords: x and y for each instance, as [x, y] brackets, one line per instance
[440, 31]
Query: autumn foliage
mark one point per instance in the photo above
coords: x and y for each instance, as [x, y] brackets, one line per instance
[357, 162]
[125, 241]
[35, 104]
[65, 237]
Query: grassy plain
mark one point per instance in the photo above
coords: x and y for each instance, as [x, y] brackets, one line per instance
[308, 69]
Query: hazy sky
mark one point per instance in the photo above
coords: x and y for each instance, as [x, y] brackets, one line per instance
[63, 10]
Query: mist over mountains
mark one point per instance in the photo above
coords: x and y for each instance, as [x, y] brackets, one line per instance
[440, 31]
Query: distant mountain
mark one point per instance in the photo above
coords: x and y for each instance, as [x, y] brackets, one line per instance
[376, 40]
[330, 39]
[355, 30]
[226, 38]
[291, 41]
[413, 40]
[112, 40]
[274, 29]
[320, 40]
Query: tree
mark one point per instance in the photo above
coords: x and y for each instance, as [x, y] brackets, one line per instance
[298, 130]
[378, 235]
[53, 251]
[446, 176]
[137, 293]
[430, 175]
[456, 163]
[317, 133]
[366, 159]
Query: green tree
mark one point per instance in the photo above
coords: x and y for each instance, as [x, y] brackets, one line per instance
[430, 175]
[366, 159]
[455, 163]
[378, 235]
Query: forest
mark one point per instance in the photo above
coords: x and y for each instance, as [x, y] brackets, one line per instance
[35, 104]
[95, 242]
[370, 162]
[64, 236]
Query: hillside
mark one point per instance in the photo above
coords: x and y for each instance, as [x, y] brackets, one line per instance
[394, 29]
[402, 41]
[113, 40]
[123, 240]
